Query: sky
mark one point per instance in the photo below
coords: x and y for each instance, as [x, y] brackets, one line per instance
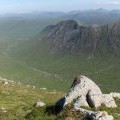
[25, 6]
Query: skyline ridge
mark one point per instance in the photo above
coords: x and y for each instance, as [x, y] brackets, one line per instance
[25, 6]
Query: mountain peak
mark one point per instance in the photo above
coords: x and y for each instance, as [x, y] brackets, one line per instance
[70, 38]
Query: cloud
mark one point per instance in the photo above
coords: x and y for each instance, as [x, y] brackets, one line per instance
[113, 3]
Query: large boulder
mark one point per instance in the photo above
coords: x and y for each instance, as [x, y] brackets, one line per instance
[84, 92]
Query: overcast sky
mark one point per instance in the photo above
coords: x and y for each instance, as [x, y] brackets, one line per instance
[24, 6]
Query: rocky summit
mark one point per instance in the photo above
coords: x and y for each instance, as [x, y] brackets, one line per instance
[71, 38]
[84, 92]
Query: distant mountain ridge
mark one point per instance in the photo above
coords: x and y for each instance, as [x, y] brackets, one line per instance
[70, 38]
[88, 17]
[95, 17]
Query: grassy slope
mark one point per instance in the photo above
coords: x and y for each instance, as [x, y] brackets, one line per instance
[19, 71]
[17, 100]
[68, 113]
[14, 29]
[11, 34]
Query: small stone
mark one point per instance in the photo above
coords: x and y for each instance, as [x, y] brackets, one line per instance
[39, 104]
[6, 82]
[43, 88]
[4, 109]
[33, 87]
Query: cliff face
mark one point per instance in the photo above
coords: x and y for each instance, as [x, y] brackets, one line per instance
[70, 38]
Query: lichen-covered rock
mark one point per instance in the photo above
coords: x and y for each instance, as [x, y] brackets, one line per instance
[95, 115]
[98, 116]
[87, 92]
[84, 92]
[81, 101]
[115, 95]
[109, 101]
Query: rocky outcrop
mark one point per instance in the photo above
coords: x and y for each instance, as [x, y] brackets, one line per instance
[85, 88]
[86, 93]
[98, 115]
[70, 38]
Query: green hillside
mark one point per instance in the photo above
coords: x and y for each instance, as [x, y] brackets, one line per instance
[12, 33]
[22, 29]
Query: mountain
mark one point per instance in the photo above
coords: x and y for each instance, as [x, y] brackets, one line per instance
[25, 26]
[70, 38]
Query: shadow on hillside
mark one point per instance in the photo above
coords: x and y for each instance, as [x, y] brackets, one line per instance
[57, 108]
